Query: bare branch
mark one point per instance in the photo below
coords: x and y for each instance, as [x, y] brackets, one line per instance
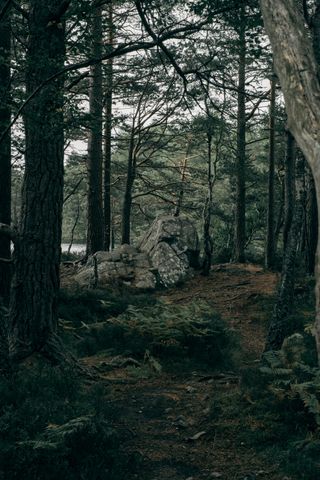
[6, 260]
[75, 188]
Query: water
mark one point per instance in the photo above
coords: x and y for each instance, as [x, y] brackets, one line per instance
[76, 247]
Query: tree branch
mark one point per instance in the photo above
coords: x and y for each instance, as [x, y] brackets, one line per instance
[75, 188]
[122, 49]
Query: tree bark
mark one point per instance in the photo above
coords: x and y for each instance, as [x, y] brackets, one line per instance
[127, 202]
[107, 141]
[316, 33]
[297, 69]
[5, 152]
[311, 230]
[35, 285]
[279, 327]
[207, 239]
[270, 241]
[183, 179]
[95, 208]
[289, 187]
[240, 210]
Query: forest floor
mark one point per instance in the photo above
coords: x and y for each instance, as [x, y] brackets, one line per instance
[169, 416]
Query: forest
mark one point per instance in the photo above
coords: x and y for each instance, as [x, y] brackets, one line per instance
[159, 239]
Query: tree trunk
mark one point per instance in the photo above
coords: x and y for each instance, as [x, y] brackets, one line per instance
[107, 141]
[270, 241]
[183, 179]
[74, 226]
[297, 70]
[208, 244]
[35, 285]
[278, 328]
[127, 202]
[311, 230]
[289, 187]
[240, 210]
[5, 152]
[316, 33]
[95, 209]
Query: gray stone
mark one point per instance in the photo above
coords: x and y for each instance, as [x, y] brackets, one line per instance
[166, 256]
[125, 265]
[173, 246]
[126, 249]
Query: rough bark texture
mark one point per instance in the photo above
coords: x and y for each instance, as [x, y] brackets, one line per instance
[35, 285]
[127, 202]
[289, 187]
[183, 180]
[316, 32]
[270, 242]
[5, 152]
[207, 239]
[278, 328]
[297, 70]
[240, 211]
[107, 141]
[311, 227]
[95, 209]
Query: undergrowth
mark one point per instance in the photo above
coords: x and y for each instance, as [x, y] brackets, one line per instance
[90, 306]
[283, 395]
[52, 427]
[169, 332]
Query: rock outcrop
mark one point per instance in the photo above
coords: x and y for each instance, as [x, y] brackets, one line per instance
[172, 244]
[126, 265]
[165, 256]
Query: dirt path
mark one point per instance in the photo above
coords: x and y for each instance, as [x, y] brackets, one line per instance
[236, 292]
[169, 418]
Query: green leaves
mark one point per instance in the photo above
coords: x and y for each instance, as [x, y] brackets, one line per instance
[291, 379]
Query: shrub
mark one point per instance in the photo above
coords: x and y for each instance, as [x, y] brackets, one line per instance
[167, 331]
[51, 427]
[92, 306]
[284, 396]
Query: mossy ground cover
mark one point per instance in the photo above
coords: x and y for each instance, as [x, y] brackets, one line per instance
[173, 396]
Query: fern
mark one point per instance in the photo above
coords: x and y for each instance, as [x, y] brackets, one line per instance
[290, 378]
[194, 329]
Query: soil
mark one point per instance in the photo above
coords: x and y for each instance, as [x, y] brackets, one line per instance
[168, 417]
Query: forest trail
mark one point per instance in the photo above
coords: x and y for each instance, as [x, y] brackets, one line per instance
[169, 416]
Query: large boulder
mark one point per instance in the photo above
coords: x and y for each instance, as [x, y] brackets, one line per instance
[123, 266]
[166, 256]
[172, 244]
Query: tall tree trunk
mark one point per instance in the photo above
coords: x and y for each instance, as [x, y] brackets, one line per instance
[107, 134]
[297, 70]
[127, 202]
[207, 239]
[5, 152]
[183, 179]
[35, 285]
[240, 210]
[311, 225]
[278, 328]
[316, 33]
[280, 219]
[95, 209]
[289, 187]
[270, 241]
